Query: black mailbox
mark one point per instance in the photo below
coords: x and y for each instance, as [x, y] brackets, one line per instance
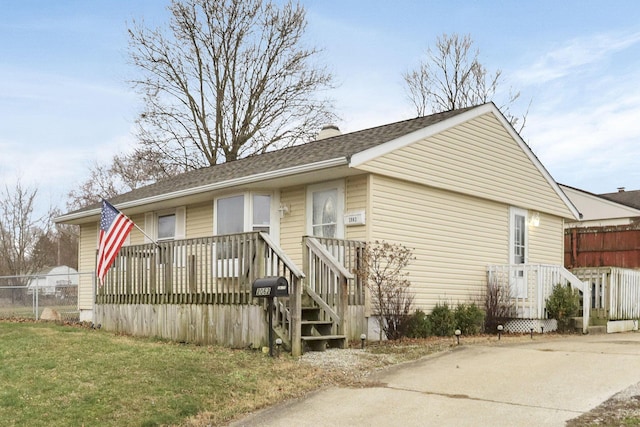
[269, 287]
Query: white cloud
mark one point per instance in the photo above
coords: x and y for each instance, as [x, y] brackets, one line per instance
[574, 55]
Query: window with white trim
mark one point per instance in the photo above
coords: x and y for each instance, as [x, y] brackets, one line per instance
[243, 213]
[164, 225]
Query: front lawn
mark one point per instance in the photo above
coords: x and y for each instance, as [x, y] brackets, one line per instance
[52, 375]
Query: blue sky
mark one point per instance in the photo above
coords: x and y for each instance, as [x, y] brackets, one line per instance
[65, 101]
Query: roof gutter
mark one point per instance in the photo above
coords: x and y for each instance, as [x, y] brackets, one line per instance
[279, 173]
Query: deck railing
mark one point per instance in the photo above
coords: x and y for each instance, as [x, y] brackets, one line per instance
[207, 270]
[531, 284]
[615, 291]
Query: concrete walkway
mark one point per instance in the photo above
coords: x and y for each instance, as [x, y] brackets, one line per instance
[538, 383]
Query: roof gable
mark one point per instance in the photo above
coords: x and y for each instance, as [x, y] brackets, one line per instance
[595, 207]
[477, 153]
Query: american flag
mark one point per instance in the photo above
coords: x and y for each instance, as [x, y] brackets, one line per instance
[114, 229]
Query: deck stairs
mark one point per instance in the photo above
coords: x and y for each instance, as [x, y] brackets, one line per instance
[317, 333]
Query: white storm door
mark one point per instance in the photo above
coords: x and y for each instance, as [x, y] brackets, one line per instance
[325, 213]
[518, 251]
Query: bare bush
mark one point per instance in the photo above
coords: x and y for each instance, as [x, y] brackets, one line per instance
[383, 270]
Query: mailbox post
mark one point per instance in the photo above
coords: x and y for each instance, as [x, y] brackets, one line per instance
[269, 288]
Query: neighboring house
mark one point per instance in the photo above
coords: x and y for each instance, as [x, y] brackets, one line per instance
[629, 198]
[51, 280]
[603, 249]
[461, 188]
[608, 232]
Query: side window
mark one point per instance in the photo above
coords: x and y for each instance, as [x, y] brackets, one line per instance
[261, 218]
[167, 227]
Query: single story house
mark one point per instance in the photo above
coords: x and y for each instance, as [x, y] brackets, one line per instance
[461, 188]
[51, 280]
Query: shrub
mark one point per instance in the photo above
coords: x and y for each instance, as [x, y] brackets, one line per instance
[442, 320]
[498, 306]
[418, 325]
[562, 305]
[469, 318]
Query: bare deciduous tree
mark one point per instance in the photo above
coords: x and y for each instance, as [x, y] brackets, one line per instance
[452, 77]
[230, 78]
[126, 172]
[383, 269]
[20, 231]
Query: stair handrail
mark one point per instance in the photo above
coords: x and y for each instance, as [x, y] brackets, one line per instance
[342, 274]
[294, 312]
[282, 255]
[328, 258]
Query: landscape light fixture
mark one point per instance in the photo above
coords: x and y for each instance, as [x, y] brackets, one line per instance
[458, 333]
[278, 344]
[500, 329]
[363, 338]
[531, 329]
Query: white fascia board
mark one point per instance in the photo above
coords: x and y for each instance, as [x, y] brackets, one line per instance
[534, 159]
[279, 173]
[395, 144]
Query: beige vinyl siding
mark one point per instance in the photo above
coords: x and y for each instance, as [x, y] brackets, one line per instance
[546, 242]
[136, 237]
[356, 200]
[454, 237]
[478, 158]
[199, 222]
[292, 225]
[88, 245]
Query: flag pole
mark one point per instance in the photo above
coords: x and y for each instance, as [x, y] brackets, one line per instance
[145, 234]
[135, 225]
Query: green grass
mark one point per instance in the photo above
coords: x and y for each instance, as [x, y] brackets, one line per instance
[53, 375]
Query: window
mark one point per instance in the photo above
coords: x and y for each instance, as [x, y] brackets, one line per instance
[261, 213]
[243, 213]
[230, 215]
[166, 227]
[237, 214]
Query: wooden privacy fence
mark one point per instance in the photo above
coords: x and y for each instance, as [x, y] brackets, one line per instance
[530, 285]
[615, 291]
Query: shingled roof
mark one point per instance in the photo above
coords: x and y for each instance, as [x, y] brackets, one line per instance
[341, 146]
[629, 198]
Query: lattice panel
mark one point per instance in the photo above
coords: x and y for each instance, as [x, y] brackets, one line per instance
[523, 326]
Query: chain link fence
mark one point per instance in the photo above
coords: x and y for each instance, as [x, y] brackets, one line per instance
[31, 296]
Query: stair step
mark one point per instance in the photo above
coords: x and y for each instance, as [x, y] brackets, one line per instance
[310, 313]
[317, 322]
[321, 337]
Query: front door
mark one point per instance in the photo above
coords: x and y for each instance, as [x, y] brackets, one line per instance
[518, 252]
[325, 216]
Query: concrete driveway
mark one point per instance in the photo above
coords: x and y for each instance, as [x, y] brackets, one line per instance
[538, 383]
